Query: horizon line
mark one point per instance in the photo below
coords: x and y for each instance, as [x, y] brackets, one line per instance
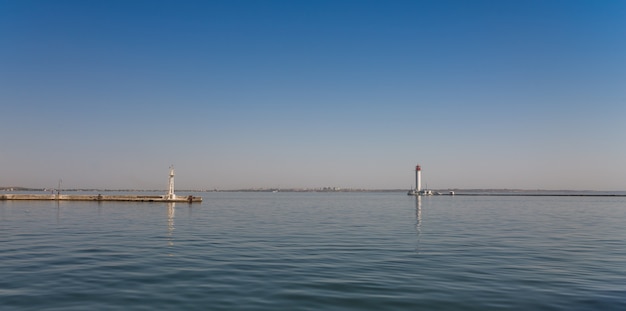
[297, 189]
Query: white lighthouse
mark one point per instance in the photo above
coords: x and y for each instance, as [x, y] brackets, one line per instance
[418, 179]
[418, 184]
[170, 191]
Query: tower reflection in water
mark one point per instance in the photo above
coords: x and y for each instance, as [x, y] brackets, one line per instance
[171, 211]
[418, 221]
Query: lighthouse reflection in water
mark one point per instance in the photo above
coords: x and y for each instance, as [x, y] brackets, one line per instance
[171, 211]
[418, 221]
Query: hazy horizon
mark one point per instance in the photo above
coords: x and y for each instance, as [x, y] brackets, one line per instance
[312, 189]
[284, 94]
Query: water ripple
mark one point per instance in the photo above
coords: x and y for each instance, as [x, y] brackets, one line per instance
[316, 252]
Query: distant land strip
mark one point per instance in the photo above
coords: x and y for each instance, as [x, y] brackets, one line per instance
[455, 191]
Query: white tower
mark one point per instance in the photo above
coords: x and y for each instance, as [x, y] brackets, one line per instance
[418, 179]
[170, 191]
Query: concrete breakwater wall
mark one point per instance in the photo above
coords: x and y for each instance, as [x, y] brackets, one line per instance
[99, 197]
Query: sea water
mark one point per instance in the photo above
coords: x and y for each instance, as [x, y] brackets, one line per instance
[316, 251]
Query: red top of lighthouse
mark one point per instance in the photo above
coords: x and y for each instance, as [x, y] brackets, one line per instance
[418, 168]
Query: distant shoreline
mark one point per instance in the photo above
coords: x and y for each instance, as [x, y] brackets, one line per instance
[465, 192]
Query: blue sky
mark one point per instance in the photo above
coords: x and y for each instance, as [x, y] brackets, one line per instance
[239, 94]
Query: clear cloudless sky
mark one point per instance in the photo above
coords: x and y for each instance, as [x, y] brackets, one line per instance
[353, 94]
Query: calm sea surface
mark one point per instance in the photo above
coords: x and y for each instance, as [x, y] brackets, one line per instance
[316, 251]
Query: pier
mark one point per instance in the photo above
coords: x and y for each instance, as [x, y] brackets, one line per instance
[170, 196]
[99, 197]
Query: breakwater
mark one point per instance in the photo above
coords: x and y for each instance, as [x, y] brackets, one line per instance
[99, 197]
[541, 194]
